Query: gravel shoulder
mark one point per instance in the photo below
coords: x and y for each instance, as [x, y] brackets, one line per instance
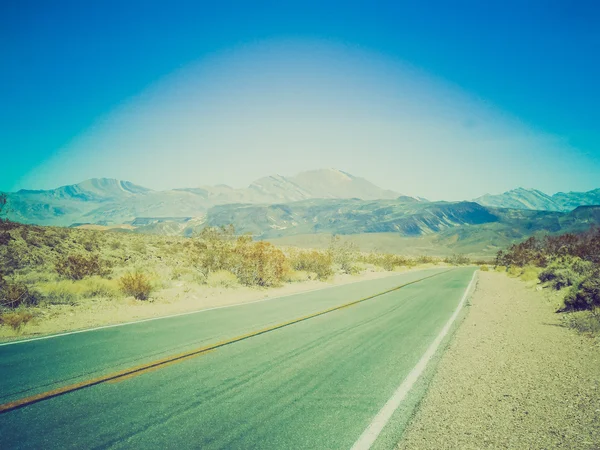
[512, 377]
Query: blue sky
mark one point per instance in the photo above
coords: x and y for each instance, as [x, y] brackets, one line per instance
[79, 77]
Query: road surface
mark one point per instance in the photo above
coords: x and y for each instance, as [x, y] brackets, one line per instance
[310, 370]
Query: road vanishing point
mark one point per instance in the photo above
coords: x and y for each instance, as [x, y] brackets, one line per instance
[337, 368]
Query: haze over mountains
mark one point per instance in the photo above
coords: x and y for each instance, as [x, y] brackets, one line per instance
[319, 201]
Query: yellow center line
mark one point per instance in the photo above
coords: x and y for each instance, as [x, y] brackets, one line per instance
[160, 363]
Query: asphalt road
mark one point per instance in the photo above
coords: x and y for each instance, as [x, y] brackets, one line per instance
[316, 383]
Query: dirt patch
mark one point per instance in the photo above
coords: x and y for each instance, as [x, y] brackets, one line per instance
[513, 377]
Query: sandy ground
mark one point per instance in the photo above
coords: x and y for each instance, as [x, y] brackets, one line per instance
[180, 298]
[512, 377]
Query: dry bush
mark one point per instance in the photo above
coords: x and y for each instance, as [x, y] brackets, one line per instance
[424, 259]
[16, 319]
[136, 284]
[258, 263]
[484, 268]
[79, 266]
[253, 263]
[457, 260]
[312, 261]
[343, 253]
[386, 261]
[222, 278]
[14, 294]
[296, 276]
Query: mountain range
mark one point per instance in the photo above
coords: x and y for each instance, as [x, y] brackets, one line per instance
[317, 202]
[107, 201]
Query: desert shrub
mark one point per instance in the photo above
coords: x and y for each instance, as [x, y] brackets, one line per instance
[62, 292]
[258, 263]
[188, 274]
[312, 261]
[343, 253]
[457, 260]
[527, 252]
[514, 271]
[500, 268]
[253, 263]
[99, 287]
[90, 243]
[542, 251]
[136, 284]
[222, 278]
[424, 259]
[484, 268]
[214, 247]
[585, 321]
[79, 266]
[14, 294]
[295, 276]
[16, 319]
[139, 247]
[586, 294]
[386, 261]
[565, 271]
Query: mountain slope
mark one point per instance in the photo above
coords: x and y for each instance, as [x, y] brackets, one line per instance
[333, 183]
[348, 217]
[520, 198]
[533, 199]
[109, 201]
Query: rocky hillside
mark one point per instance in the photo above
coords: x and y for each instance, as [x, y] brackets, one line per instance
[533, 199]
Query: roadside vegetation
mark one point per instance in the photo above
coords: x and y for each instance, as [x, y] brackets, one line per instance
[42, 268]
[569, 263]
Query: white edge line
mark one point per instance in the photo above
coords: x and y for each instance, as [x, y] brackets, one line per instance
[22, 341]
[372, 432]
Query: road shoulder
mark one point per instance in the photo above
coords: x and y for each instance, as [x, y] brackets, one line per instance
[512, 377]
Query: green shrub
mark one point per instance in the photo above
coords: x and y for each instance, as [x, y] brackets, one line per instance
[529, 273]
[99, 287]
[514, 271]
[62, 292]
[136, 284]
[586, 294]
[484, 268]
[79, 266]
[565, 271]
[585, 321]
